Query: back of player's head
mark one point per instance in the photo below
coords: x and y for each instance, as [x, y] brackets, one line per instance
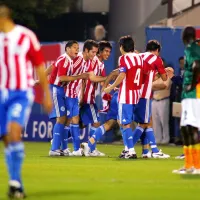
[70, 43]
[104, 44]
[153, 45]
[189, 35]
[5, 11]
[89, 44]
[181, 58]
[127, 43]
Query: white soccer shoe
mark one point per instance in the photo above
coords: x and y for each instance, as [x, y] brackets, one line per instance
[56, 153]
[196, 171]
[182, 156]
[67, 152]
[160, 154]
[78, 152]
[85, 148]
[100, 153]
[183, 170]
[147, 155]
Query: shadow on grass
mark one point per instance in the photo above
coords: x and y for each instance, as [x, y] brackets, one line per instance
[190, 176]
[57, 193]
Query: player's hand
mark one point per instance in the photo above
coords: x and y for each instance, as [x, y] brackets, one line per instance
[108, 89]
[84, 76]
[47, 103]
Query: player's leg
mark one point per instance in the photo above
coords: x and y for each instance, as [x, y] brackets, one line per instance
[100, 131]
[19, 107]
[58, 112]
[125, 112]
[73, 114]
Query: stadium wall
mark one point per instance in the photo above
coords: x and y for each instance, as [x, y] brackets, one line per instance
[39, 127]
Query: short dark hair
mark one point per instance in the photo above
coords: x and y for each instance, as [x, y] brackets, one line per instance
[153, 45]
[189, 34]
[70, 43]
[104, 44]
[127, 43]
[89, 44]
[5, 10]
[181, 58]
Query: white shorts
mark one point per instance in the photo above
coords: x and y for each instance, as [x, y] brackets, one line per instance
[190, 112]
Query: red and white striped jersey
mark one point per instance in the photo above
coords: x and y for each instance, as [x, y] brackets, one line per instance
[19, 52]
[154, 64]
[130, 88]
[79, 66]
[99, 70]
[61, 67]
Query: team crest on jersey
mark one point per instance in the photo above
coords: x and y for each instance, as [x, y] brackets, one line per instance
[62, 108]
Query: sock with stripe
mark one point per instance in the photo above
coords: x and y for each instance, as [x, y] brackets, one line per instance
[196, 156]
[92, 131]
[151, 139]
[75, 131]
[145, 144]
[137, 134]
[58, 132]
[99, 132]
[64, 142]
[14, 154]
[124, 139]
[128, 135]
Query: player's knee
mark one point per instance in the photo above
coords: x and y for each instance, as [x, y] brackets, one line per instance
[143, 125]
[96, 125]
[109, 124]
[14, 131]
[61, 120]
[75, 120]
[185, 134]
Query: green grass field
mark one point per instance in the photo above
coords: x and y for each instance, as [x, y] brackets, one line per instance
[105, 178]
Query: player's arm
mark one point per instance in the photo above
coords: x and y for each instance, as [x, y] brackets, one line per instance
[83, 85]
[95, 78]
[112, 76]
[73, 78]
[48, 70]
[45, 86]
[161, 69]
[119, 79]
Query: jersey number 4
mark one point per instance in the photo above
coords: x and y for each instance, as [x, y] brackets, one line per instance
[137, 77]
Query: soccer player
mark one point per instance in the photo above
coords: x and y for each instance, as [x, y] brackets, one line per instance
[81, 64]
[131, 70]
[19, 52]
[60, 74]
[89, 111]
[143, 109]
[190, 118]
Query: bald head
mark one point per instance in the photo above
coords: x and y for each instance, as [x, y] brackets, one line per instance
[5, 11]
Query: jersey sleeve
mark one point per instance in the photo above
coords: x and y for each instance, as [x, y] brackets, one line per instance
[160, 66]
[34, 52]
[122, 64]
[63, 67]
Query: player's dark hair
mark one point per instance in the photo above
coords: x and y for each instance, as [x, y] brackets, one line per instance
[89, 44]
[153, 45]
[189, 35]
[70, 43]
[181, 58]
[5, 10]
[104, 44]
[127, 43]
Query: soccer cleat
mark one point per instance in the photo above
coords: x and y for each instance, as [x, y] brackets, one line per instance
[147, 155]
[94, 153]
[196, 171]
[131, 155]
[160, 154]
[183, 170]
[85, 148]
[15, 190]
[67, 152]
[123, 153]
[182, 156]
[100, 153]
[78, 152]
[56, 153]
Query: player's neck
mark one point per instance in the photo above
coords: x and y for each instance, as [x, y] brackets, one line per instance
[9, 26]
[84, 56]
[100, 58]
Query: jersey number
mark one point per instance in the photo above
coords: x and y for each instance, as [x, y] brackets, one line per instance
[137, 77]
